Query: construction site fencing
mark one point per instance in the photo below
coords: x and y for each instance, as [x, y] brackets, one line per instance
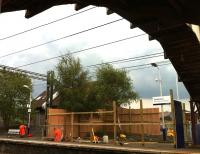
[135, 123]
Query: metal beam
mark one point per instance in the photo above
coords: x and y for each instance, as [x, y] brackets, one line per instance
[33, 75]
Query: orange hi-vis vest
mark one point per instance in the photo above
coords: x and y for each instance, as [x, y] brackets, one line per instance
[22, 130]
[57, 135]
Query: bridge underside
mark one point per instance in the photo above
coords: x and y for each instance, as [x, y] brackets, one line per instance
[164, 20]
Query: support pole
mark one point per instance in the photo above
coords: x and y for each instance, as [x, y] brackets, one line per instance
[51, 88]
[184, 124]
[47, 104]
[142, 121]
[173, 116]
[46, 122]
[163, 123]
[65, 126]
[114, 121]
[193, 122]
[72, 127]
[129, 118]
[91, 121]
[29, 114]
[177, 89]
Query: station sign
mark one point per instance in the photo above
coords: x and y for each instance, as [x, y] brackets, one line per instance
[161, 100]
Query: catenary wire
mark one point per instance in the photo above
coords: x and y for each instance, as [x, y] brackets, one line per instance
[143, 66]
[86, 30]
[82, 50]
[122, 60]
[130, 59]
[139, 68]
[54, 21]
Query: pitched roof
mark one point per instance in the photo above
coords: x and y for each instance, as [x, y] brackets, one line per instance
[40, 101]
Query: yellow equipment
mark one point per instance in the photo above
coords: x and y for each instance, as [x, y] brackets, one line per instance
[122, 138]
[94, 138]
[170, 132]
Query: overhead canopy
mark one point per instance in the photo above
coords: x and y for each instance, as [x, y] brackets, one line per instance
[163, 20]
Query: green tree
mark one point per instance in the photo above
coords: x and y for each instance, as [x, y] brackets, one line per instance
[113, 85]
[13, 97]
[73, 84]
[92, 102]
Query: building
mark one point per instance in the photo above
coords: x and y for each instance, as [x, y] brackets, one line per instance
[39, 106]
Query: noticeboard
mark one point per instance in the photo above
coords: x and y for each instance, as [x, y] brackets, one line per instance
[161, 100]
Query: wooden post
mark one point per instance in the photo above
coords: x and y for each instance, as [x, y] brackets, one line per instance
[65, 126]
[129, 119]
[114, 121]
[79, 130]
[47, 122]
[92, 129]
[72, 127]
[173, 116]
[142, 121]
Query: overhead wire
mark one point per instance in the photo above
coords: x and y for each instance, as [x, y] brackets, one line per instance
[122, 60]
[64, 37]
[148, 67]
[54, 21]
[130, 59]
[82, 50]
[143, 66]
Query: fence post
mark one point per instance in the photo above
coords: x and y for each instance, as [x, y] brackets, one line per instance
[142, 122]
[114, 121]
[91, 121]
[173, 116]
[72, 126]
[46, 123]
[129, 119]
[65, 126]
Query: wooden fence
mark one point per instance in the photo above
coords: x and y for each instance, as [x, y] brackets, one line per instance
[130, 121]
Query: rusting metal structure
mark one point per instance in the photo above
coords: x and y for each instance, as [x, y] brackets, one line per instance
[164, 20]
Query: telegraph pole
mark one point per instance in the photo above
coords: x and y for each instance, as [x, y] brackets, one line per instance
[162, 107]
[49, 98]
[51, 88]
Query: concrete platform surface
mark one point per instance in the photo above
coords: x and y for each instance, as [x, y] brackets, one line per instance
[131, 147]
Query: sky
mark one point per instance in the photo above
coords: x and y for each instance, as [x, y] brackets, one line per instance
[144, 80]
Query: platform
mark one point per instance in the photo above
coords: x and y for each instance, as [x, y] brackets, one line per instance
[31, 146]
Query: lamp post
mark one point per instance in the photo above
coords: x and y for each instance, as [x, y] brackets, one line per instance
[29, 108]
[177, 89]
[159, 78]
[161, 94]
